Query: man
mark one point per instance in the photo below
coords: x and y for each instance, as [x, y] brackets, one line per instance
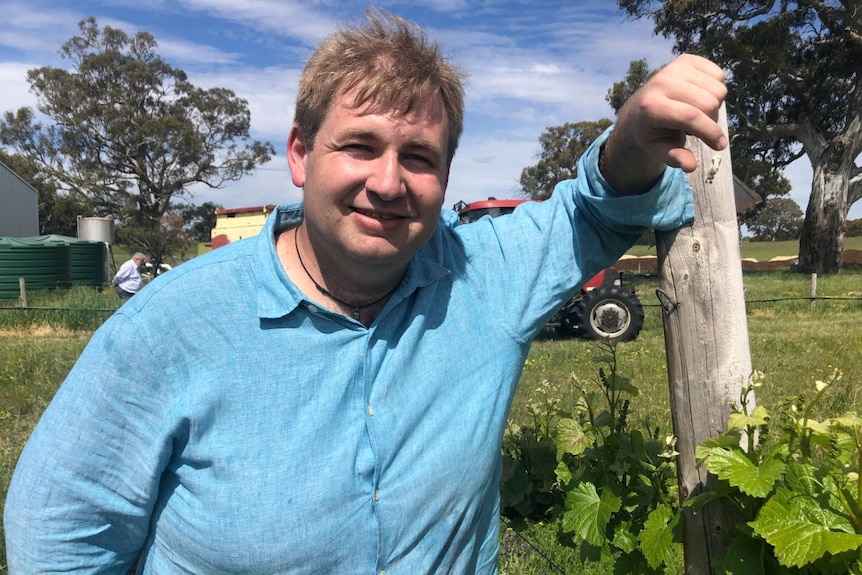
[330, 396]
[127, 281]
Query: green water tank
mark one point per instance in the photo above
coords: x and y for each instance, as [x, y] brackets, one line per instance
[43, 266]
[88, 259]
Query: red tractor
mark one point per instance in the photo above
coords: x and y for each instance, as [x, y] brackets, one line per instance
[605, 308]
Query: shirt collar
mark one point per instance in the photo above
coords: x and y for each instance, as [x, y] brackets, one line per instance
[277, 295]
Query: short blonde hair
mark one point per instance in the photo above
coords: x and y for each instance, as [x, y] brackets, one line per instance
[391, 63]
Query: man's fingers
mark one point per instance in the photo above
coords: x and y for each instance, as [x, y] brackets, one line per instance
[681, 158]
[686, 95]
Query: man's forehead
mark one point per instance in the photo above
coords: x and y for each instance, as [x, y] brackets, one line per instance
[426, 107]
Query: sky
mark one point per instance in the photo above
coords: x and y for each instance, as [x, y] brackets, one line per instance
[530, 65]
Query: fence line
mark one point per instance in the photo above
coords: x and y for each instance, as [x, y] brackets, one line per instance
[781, 299]
[75, 309]
[751, 301]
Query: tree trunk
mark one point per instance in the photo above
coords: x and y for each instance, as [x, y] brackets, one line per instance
[821, 244]
[706, 338]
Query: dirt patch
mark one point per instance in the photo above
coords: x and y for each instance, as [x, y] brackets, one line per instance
[36, 331]
[647, 264]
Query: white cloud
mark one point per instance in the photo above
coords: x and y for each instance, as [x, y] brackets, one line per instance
[530, 66]
[270, 93]
[270, 184]
[180, 51]
[290, 18]
[16, 91]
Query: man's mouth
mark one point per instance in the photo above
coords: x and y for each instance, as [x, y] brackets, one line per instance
[376, 215]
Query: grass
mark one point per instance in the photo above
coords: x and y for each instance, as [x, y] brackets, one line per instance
[788, 341]
[761, 251]
[33, 361]
[791, 343]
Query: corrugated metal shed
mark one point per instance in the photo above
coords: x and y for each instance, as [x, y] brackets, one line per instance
[19, 205]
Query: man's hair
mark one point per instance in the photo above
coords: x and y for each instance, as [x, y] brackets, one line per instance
[391, 63]
[139, 255]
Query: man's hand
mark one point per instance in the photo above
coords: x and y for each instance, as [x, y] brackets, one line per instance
[681, 99]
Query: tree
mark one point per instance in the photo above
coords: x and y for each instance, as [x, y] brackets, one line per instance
[198, 220]
[130, 133]
[157, 242]
[558, 160]
[775, 220]
[795, 89]
[636, 77]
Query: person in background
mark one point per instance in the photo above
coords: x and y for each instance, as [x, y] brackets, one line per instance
[127, 281]
[329, 397]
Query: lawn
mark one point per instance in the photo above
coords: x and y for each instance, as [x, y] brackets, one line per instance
[793, 344]
[760, 251]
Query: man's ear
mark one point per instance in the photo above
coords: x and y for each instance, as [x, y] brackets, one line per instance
[297, 153]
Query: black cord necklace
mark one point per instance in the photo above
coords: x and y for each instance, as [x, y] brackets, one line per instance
[356, 308]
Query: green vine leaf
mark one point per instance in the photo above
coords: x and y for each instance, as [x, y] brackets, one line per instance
[563, 473]
[624, 539]
[587, 514]
[758, 417]
[656, 539]
[802, 478]
[726, 439]
[739, 471]
[799, 529]
[744, 556]
[849, 421]
[619, 383]
[570, 438]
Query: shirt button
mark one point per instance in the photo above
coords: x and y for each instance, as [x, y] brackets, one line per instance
[312, 308]
[370, 410]
[376, 495]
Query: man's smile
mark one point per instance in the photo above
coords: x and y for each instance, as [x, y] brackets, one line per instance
[376, 215]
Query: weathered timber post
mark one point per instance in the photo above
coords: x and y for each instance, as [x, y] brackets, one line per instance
[22, 289]
[706, 339]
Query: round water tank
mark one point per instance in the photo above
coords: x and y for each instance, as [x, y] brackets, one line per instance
[96, 229]
[88, 259]
[42, 266]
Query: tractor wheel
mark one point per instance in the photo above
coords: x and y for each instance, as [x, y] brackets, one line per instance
[611, 312]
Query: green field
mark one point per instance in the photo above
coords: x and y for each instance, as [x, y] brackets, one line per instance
[793, 344]
[760, 251]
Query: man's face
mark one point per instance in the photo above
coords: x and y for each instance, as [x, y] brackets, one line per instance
[373, 183]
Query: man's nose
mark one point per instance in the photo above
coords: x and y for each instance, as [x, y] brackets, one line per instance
[386, 179]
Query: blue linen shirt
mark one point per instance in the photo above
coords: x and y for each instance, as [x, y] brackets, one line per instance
[220, 422]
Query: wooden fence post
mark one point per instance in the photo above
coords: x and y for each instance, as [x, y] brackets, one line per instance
[706, 339]
[22, 290]
[813, 290]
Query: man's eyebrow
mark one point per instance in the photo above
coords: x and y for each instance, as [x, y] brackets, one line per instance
[429, 145]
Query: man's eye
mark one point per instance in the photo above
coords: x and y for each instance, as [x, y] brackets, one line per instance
[357, 147]
[419, 158]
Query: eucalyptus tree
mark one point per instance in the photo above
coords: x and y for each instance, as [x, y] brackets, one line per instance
[558, 158]
[129, 132]
[795, 82]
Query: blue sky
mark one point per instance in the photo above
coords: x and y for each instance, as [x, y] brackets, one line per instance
[531, 65]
